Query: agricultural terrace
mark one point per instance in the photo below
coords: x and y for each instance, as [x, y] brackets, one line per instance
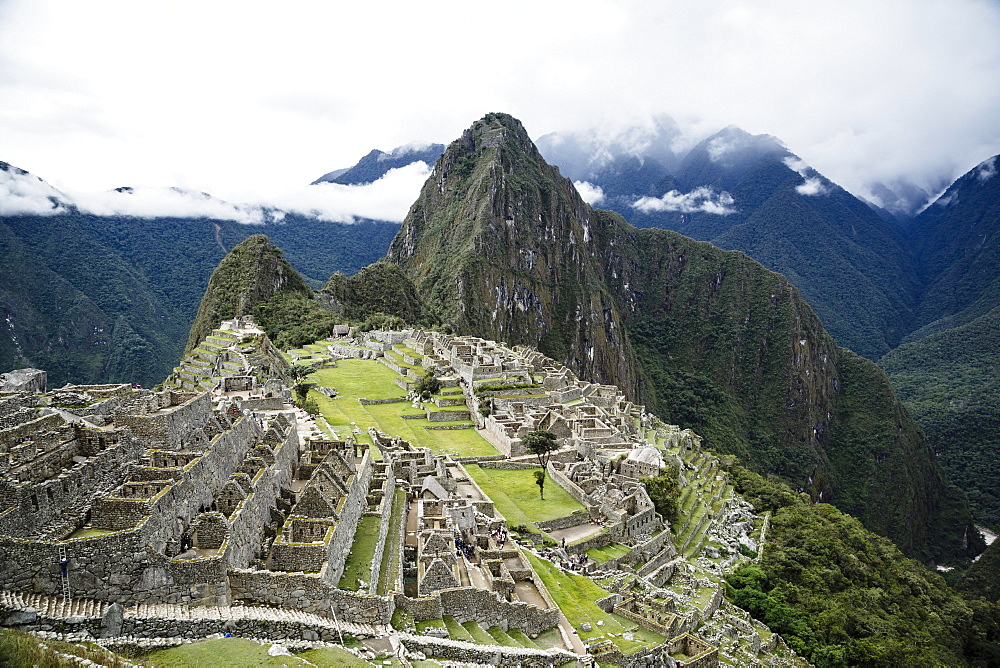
[367, 379]
[576, 596]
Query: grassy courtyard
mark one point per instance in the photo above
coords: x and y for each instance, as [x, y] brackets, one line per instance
[515, 495]
[359, 561]
[367, 379]
[576, 594]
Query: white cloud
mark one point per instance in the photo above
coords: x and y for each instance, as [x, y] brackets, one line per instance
[987, 169]
[590, 193]
[23, 193]
[389, 198]
[812, 186]
[797, 165]
[145, 202]
[99, 94]
[813, 183]
[703, 199]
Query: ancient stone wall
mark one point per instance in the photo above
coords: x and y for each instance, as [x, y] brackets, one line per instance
[310, 593]
[571, 487]
[353, 506]
[493, 655]
[468, 604]
[171, 427]
[388, 493]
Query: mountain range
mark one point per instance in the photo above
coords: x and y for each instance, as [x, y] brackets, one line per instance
[100, 298]
[499, 244]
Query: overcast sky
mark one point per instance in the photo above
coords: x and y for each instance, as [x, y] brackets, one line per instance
[250, 101]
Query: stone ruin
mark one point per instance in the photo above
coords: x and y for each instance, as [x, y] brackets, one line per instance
[207, 494]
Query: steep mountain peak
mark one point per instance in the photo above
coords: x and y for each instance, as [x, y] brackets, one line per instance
[500, 245]
[249, 275]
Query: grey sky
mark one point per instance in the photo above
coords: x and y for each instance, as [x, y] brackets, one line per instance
[250, 101]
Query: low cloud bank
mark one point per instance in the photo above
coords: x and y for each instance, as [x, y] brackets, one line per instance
[23, 194]
[389, 198]
[703, 199]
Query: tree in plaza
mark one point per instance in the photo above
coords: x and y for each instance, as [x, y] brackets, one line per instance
[540, 481]
[542, 444]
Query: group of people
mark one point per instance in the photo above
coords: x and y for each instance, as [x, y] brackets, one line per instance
[571, 562]
[461, 547]
[500, 535]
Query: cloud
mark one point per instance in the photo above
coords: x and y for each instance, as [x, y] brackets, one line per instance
[703, 199]
[987, 169]
[146, 202]
[389, 198]
[866, 92]
[590, 193]
[22, 193]
[813, 183]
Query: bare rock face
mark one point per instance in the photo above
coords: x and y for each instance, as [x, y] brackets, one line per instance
[23, 380]
[112, 621]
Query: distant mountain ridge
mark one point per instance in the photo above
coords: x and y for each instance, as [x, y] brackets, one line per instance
[377, 163]
[92, 298]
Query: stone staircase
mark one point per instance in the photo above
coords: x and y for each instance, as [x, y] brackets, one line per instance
[55, 608]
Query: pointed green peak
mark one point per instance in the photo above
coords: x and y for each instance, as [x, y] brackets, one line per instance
[250, 274]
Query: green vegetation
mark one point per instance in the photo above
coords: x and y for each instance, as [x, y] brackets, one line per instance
[234, 652]
[19, 649]
[949, 383]
[665, 491]
[514, 497]
[358, 565]
[840, 595]
[608, 552]
[381, 288]
[983, 577]
[576, 594]
[368, 379]
[254, 278]
[456, 631]
[541, 444]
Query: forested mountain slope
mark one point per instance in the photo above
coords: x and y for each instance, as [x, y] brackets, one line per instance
[502, 246]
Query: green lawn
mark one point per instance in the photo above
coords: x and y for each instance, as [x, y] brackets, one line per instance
[576, 594]
[236, 652]
[501, 637]
[456, 631]
[602, 554]
[370, 380]
[515, 495]
[478, 634]
[359, 561]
